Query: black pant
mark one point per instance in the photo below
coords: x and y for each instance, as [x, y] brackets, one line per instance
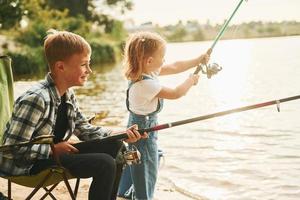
[94, 159]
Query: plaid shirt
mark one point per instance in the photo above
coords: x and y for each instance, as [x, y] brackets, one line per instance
[34, 115]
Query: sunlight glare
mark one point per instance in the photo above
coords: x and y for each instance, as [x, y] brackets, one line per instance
[232, 84]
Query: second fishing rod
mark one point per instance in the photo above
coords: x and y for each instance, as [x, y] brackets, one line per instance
[123, 135]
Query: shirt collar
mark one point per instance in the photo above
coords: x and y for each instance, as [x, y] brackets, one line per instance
[54, 91]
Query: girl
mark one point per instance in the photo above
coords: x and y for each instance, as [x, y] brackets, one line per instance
[144, 62]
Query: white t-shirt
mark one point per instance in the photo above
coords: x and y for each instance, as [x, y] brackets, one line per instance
[142, 95]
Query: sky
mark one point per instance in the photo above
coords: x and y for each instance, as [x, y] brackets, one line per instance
[164, 12]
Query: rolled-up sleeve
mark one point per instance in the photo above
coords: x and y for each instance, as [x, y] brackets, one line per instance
[85, 131]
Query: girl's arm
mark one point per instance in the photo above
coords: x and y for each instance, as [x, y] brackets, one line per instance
[181, 66]
[180, 90]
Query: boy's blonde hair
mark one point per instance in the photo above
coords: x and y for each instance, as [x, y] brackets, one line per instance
[61, 45]
[140, 46]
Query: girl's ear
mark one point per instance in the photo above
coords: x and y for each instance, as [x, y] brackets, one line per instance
[149, 60]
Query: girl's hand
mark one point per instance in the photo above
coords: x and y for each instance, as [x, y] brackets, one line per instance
[134, 135]
[194, 78]
[205, 57]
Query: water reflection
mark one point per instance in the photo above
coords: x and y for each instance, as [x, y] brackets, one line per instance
[249, 155]
[236, 58]
[104, 93]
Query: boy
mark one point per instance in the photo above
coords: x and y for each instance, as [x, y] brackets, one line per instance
[50, 107]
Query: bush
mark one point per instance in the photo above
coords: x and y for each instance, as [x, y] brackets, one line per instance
[29, 61]
[102, 53]
[33, 35]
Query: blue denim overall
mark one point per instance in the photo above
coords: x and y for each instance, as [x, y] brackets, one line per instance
[143, 175]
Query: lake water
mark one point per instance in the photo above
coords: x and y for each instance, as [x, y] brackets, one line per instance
[249, 155]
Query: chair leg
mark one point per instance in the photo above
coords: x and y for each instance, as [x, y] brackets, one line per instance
[52, 196]
[38, 186]
[68, 186]
[48, 192]
[9, 189]
[76, 187]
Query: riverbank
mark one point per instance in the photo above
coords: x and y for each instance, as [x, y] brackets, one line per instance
[165, 190]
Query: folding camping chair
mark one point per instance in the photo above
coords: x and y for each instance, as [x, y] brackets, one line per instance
[47, 179]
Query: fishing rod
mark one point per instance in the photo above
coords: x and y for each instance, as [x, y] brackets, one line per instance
[215, 68]
[123, 135]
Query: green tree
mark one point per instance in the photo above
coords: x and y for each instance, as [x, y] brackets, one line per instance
[87, 7]
[91, 11]
[198, 35]
[74, 7]
[179, 33]
[10, 13]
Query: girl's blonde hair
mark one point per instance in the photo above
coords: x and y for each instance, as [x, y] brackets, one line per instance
[140, 46]
[61, 45]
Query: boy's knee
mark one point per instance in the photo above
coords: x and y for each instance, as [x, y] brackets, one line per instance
[105, 162]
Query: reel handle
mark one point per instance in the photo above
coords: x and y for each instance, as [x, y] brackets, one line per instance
[210, 69]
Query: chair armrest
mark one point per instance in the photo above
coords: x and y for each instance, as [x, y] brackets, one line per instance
[43, 139]
[91, 119]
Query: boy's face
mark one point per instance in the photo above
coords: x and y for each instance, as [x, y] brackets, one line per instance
[77, 69]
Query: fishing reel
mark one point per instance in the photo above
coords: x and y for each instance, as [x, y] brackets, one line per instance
[132, 156]
[210, 69]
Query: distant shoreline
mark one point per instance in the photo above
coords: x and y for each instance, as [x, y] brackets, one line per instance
[194, 31]
[3, 40]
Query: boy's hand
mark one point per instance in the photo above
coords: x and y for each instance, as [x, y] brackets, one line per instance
[64, 148]
[134, 135]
